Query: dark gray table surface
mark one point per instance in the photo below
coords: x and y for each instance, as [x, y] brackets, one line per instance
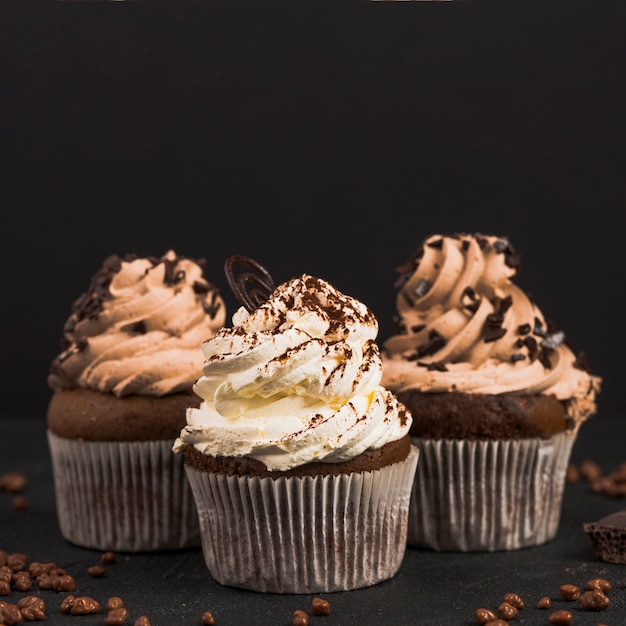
[175, 588]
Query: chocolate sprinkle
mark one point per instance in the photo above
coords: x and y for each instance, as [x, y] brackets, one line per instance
[436, 366]
[435, 342]
[262, 282]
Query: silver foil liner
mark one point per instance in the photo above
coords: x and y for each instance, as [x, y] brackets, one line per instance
[488, 495]
[126, 496]
[304, 535]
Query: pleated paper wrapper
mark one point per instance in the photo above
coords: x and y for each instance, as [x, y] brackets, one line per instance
[488, 495]
[125, 496]
[304, 535]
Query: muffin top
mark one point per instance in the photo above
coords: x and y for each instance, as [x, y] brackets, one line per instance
[465, 326]
[295, 380]
[138, 328]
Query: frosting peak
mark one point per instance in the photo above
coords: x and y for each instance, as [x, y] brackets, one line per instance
[137, 329]
[463, 325]
[295, 380]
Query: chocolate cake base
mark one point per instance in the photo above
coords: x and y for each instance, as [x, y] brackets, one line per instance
[91, 415]
[456, 415]
[390, 453]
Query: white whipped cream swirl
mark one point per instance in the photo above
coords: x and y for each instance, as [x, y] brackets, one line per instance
[297, 380]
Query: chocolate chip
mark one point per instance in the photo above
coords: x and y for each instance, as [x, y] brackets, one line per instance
[484, 616]
[22, 581]
[569, 592]
[107, 557]
[594, 600]
[32, 608]
[320, 606]
[115, 617]
[507, 611]
[12, 482]
[514, 599]
[114, 602]
[544, 603]
[599, 583]
[300, 618]
[84, 605]
[561, 618]
[208, 619]
[10, 614]
[142, 620]
[96, 571]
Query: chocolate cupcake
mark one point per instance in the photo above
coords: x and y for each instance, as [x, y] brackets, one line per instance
[496, 394]
[122, 385]
[300, 461]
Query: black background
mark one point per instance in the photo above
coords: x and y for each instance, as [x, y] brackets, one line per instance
[325, 138]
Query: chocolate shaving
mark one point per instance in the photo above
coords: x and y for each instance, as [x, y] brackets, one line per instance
[539, 330]
[581, 362]
[435, 342]
[252, 295]
[435, 366]
[138, 328]
[544, 359]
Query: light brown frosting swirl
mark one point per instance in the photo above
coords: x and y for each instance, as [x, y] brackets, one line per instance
[465, 326]
[139, 327]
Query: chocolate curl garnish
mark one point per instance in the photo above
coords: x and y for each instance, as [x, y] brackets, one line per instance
[251, 288]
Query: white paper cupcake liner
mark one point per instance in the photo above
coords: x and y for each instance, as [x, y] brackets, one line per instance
[126, 496]
[488, 495]
[304, 535]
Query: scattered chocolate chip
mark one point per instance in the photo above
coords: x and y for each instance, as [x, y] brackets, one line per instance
[96, 571]
[561, 618]
[514, 599]
[107, 558]
[507, 611]
[64, 582]
[20, 503]
[84, 605]
[594, 600]
[569, 592]
[572, 474]
[300, 618]
[32, 608]
[10, 614]
[67, 603]
[114, 602]
[484, 616]
[544, 603]
[115, 617]
[17, 561]
[12, 482]
[208, 619]
[599, 583]
[142, 620]
[320, 606]
[22, 581]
